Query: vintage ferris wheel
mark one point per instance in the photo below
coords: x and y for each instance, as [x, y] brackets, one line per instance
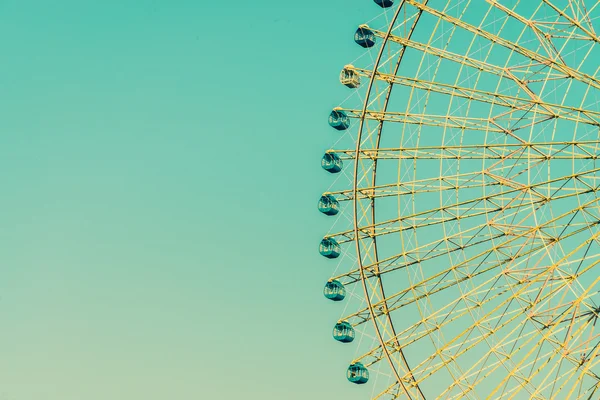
[466, 223]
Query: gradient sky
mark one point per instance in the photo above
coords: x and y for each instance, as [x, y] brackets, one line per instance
[160, 171]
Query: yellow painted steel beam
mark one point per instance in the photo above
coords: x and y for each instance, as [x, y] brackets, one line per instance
[466, 209]
[572, 150]
[588, 32]
[532, 55]
[434, 279]
[497, 99]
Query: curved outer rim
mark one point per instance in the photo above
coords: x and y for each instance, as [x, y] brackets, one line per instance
[355, 208]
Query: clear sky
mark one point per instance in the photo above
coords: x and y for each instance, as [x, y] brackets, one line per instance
[159, 163]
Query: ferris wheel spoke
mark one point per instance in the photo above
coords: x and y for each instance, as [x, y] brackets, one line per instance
[532, 367]
[437, 284]
[543, 37]
[536, 57]
[472, 237]
[476, 265]
[553, 373]
[583, 374]
[545, 108]
[588, 31]
[495, 349]
[454, 182]
[463, 240]
[472, 94]
[442, 121]
[435, 184]
[525, 371]
[546, 151]
[483, 368]
[436, 321]
[480, 371]
[550, 329]
[447, 214]
[451, 353]
[440, 282]
[587, 369]
[477, 297]
[522, 380]
[547, 366]
[520, 196]
[519, 75]
[505, 315]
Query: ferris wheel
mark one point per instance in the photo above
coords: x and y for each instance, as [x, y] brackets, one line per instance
[465, 234]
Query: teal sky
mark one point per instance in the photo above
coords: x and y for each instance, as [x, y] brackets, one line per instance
[160, 170]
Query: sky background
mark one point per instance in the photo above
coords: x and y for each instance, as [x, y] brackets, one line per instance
[159, 163]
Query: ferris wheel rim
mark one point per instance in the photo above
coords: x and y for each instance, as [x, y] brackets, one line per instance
[357, 239]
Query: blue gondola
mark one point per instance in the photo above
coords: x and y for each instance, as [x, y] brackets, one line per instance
[329, 248]
[357, 373]
[343, 332]
[349, 77]
[364, 36]
[334, 290]
[331, 163]
[338, 119]
[384, 3]
[328, 205]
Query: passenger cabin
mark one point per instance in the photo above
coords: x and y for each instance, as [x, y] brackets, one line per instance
[357, 373]
[334, 290]
[384, 3]
[343, 332]
[349, 77]
[364, 36]
[328, 205]
[331, 163]
[329, 248]
[339, 120]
